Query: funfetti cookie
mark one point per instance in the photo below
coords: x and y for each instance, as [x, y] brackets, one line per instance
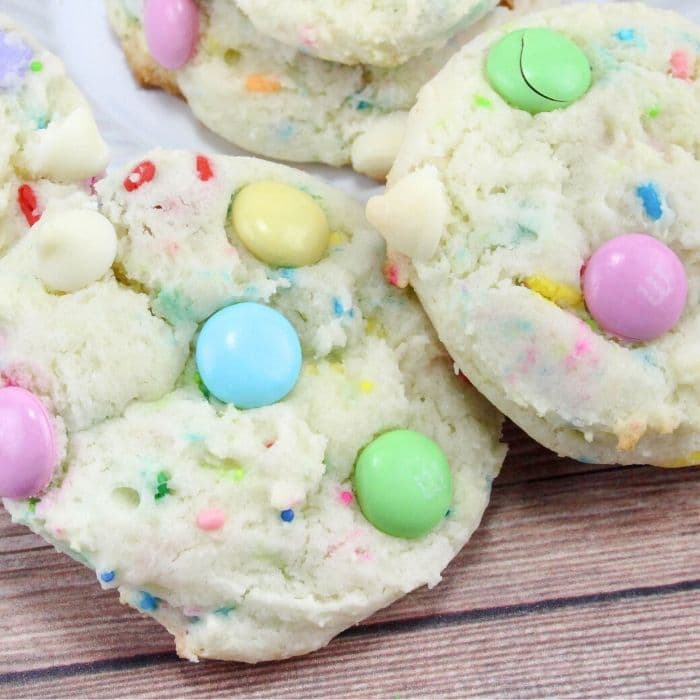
[239, 424]
[545, 208]
[49, 144]
[386, 33]
[270, 98]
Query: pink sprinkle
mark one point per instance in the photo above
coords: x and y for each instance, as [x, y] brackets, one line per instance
[680, 65]
[363, 554]
[346, 497]
[192, 612]
[172, 248]
[308, 36]
[212, 519]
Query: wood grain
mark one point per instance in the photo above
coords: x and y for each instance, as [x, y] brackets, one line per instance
[605, 649]
[565, 549]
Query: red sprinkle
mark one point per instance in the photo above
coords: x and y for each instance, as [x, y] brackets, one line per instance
[270, 443]
[680, 65]
[144, 172]
[26, 198]
[204, 168]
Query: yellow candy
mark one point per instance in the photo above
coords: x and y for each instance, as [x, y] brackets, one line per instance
[561, 294]
[280, 224]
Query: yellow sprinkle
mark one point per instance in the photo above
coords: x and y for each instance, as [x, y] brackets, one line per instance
[212, 45]
[235, 474]
[338, 367]
[338, 238]
[257, 82]
[559, 293]
[690, 460]
[366, 386]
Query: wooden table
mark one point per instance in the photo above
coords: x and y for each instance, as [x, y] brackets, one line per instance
[583, 580]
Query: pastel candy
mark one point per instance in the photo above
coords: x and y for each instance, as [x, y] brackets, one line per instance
[74, 248]
[172, 30]
[15, 56]
[248, 355]
[538, 70]
[635, 287]
[403, 483]
[280, 224]
[27, 450]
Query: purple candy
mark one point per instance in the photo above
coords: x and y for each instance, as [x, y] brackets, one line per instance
[27, 449]
[172, 30]
[635, 287]
[15, 57]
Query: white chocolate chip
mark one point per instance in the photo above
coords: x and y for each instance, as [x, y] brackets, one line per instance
[74, 248]
[374, 151]
[413, 214]
[68, 150]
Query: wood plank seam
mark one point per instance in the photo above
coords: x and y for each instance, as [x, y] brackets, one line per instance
[386, 629]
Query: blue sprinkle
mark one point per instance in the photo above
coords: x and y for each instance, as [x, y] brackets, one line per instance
[107, 576]
[148, 602]
[194, 437]
[651, 200]
[338, 308]
[585, 460]
[285, 131]
[363, 104]
[287, 515]
[41, 122]
[625, 34]
[286, 273]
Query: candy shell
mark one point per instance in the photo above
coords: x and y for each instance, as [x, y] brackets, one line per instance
[635, 287]
[27, 448]
[280, 224]
[172, 30]
[403, 483]
[538, 70]
[248, 355]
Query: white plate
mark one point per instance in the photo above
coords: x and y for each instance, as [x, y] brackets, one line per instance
[134, 120]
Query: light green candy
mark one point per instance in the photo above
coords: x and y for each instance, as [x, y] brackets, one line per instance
[403, 484]
[538, 70]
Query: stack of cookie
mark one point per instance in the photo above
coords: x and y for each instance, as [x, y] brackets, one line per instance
[213, 390]
[304, 81]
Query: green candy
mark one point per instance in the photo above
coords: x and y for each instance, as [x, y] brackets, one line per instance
[538, 70]
[403, 484]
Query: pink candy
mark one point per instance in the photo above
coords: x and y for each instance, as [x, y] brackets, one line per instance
[635, 287]
[172, 29]
[212, 519]
[27, 449]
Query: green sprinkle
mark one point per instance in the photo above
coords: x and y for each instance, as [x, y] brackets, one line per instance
[162, 488]
[201, 385]
[36, 66]
[230, 469]
[225, 611]
[32, 504]
[653, 112]
[481, 101]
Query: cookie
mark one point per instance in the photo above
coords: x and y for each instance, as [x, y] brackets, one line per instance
[49, 143]
[543, 207]
[259, 443]
[375, 33]
[268, 97]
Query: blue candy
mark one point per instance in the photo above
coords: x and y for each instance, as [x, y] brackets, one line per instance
[248, 355]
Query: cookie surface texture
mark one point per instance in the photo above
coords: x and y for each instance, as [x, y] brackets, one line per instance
[386, 33]
[279, 102]
[551, 235]
[49, 143]
[239, 529]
